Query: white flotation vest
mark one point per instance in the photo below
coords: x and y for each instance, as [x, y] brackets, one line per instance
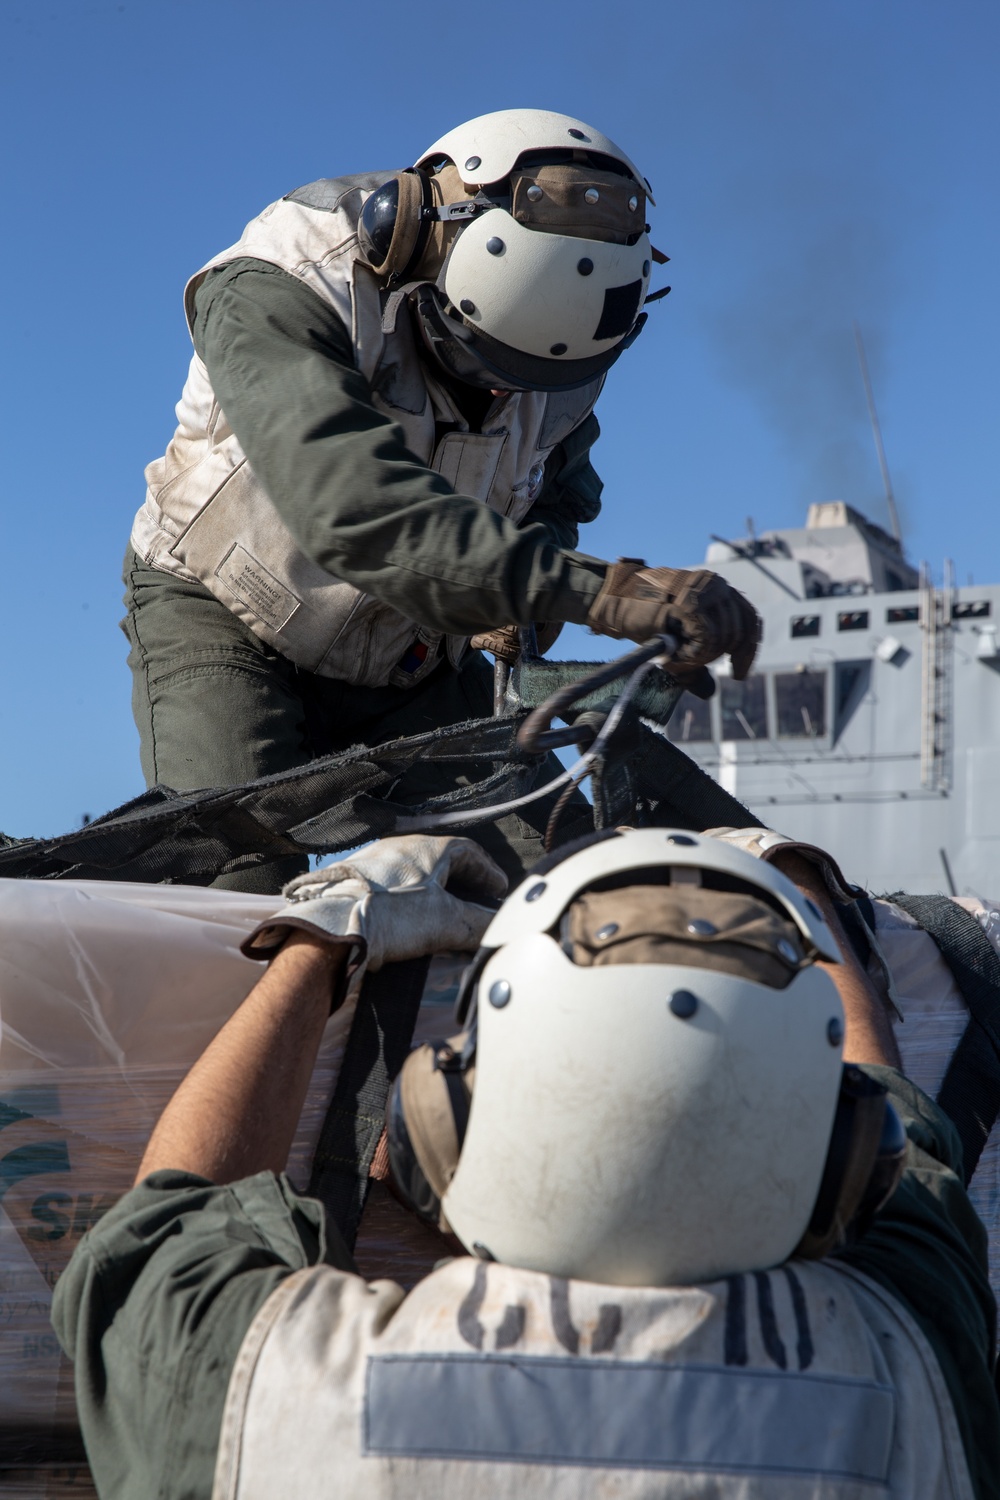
[207, 516]
[805, 1381]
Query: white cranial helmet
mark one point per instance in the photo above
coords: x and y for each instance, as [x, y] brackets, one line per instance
[540, 280]
[657, 1067]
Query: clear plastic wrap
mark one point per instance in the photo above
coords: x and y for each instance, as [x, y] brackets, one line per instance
[108, 994]
[934, 1019]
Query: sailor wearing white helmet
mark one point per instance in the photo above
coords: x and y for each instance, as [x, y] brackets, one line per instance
[382, 451]
[712, 1242]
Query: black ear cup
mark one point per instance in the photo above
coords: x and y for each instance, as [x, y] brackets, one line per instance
[426, 1118]
[393, 227]
[377, 223]
[864, 1162]
[407, 1174]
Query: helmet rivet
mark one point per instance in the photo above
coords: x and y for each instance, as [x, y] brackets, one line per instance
[499, 994]
[700, 928]
[683, 1004]
[646, 268]
[787, 950]
[558, 348]
[535, 892]
[834, 1031]
[473, 163]
[467, 307]
[495, 245]
[578, 135]
[591, 195]
[534, 192]
[680, 838]
[585, 266]
[607, 931]
[633, 203]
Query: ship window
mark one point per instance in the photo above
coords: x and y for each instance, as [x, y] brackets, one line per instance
[691, 721]
[801, 703]
[804, 625]
[850, 683]
[744, 709]
[973, 609]
[853, 619]
[903, 614]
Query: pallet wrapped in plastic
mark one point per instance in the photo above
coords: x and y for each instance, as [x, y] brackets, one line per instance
[108, 994]
[934, 1019]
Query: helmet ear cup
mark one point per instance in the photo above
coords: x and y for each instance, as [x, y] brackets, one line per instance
[426, 1119]
[393, 227]
[864, 1163]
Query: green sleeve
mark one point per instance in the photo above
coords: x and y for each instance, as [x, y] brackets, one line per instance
[928, 1248]
[357, 501]
[153, 1308]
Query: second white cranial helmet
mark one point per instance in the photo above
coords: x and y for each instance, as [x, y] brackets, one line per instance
[523, 236]
[649, 1090]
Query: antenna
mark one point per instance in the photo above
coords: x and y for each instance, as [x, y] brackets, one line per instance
[890, 498]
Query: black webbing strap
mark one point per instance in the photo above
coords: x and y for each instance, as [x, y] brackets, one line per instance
[680, 794]
[45, 1445]
[970, 1092]
[858, 920]
[377, 1045]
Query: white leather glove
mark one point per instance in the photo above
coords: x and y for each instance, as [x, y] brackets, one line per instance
[765, 844]
[389, 902]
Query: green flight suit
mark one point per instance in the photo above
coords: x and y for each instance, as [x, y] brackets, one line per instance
[217, 706]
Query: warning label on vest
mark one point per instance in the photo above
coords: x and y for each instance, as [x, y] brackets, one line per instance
[257, 589]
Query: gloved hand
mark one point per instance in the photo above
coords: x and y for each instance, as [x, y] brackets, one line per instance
[505, 644]
[710, 617]
[765, 844]
[389, 902]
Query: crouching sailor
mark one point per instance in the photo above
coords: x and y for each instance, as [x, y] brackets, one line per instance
[714, 1241]
[382, 451]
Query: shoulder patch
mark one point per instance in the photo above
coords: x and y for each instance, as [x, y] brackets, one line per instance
[327, 193]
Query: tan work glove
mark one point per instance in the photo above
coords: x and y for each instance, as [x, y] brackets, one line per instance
[765, 844]
[389, 902]
[710, 617]
[504, 642]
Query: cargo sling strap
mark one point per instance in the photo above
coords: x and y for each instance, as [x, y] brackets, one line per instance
[379, 1039]
[340, 801]
[970, 1091]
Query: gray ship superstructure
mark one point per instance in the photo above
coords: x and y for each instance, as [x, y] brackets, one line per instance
[871, 722]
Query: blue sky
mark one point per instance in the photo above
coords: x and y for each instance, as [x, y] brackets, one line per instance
[813, 163]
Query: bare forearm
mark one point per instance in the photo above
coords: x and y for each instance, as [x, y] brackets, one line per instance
[237, 1110]
[868, 1033]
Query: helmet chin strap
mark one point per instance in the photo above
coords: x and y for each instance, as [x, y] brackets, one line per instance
[450, 347]
[466, 356]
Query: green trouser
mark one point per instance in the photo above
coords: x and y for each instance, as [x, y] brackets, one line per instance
[215, 706]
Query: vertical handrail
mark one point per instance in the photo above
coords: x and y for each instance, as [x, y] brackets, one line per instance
[936, 608]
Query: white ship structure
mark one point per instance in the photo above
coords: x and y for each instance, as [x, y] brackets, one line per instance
[871, 722]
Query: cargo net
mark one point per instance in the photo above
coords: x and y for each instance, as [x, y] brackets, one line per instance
[340, 801]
